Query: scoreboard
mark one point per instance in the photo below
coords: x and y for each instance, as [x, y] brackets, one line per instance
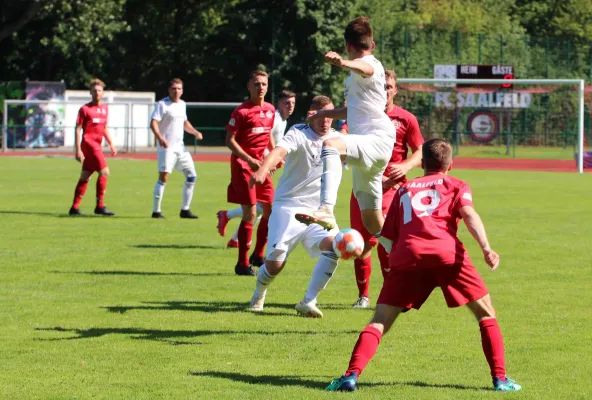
[469, 71]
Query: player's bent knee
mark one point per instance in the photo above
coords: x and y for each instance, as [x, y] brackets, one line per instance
[274, 267]
[385, 316]
[482, 308]
[191, 179]
[104, 172]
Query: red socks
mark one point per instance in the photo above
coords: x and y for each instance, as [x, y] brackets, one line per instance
[79, 193]
[101, 187]
[363, 269]
[245, 234]
[493, 346]
[364, 350]
[383, 256]
[261, 237]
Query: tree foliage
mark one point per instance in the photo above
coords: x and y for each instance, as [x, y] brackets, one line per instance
[213, 44]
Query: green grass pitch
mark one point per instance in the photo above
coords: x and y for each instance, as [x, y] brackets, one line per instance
[134, 308]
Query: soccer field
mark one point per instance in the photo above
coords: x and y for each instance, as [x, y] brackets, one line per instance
[134, 308]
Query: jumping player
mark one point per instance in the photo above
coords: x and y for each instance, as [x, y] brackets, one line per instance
[169, 122]
[408, 136]
[422, 225]
[248, 135]
[298, 190]
[369, 144]
[92, 123]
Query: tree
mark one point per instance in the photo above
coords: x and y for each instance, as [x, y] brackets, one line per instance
[17, 14]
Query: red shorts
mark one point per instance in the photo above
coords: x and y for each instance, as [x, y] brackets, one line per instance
[239, 190]
[410, 288]
[355, 215]
[94, 160]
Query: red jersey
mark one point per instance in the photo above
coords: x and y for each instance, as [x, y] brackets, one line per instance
[408, 136]
[423, 223]
[251, 126]
[93, 119]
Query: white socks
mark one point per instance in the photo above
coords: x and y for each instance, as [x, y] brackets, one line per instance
[235, 213]
[158, 193]
[331, 177]
[264, 279]
[321, 274]
[188, 192]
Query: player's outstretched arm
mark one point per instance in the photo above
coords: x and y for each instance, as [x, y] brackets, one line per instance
[277, 155]
[191, 130]
[336, 113]
[477, 230]
[358, 67]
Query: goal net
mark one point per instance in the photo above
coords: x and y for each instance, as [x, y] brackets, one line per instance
[544, 119]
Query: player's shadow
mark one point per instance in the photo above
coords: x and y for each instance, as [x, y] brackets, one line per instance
[293, 380]
[173, 337]
[143, 273]
[274, 380]
[205, 307]
[177, 246]
[66, 215]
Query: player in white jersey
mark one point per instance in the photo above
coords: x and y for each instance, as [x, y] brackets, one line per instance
[285, 108]
[297, 191]
[369, 145]
[169, 122]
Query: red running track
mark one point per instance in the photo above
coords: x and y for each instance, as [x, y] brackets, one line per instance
[459, 163]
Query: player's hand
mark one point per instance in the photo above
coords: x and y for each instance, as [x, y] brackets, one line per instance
[254, 164]
[491, 258]
[312, 115]
[198, 135]
[163, 143]
[258, 177]
[79, 156]
[113, 151]
[334, 58]
[388, 183]
[398, 171]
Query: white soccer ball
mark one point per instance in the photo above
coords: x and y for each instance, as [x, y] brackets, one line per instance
[348, 243]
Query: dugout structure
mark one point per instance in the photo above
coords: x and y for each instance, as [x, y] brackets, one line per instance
[51, 123]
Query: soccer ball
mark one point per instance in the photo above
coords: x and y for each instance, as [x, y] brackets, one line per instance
[348, 243]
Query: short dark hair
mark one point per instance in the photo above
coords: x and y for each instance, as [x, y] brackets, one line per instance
[436, 155]
[320, 101]
[286, 94]
[257, 72]
[175, 81]
[358, 33]
[390, 74]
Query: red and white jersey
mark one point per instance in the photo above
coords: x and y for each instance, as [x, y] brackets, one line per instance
[251, 126]
[93, 119]
[423, 223]
[408, 136]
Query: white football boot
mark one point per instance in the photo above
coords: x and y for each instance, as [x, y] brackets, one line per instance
[257, 301]
[309, 309]
[323, 217]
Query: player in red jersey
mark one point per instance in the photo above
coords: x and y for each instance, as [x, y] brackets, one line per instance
[408, 137]
[92, 122]
[422, 224]
[248, 135]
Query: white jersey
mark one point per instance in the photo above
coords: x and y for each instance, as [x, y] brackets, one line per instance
[366, 102]
[171, 119]
[300, 184]
[279, 127]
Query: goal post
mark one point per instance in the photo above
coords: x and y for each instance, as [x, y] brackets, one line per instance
[483, 96]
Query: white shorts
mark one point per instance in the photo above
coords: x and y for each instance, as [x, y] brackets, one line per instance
[368, 155]
[285, 233]
[179, 159]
